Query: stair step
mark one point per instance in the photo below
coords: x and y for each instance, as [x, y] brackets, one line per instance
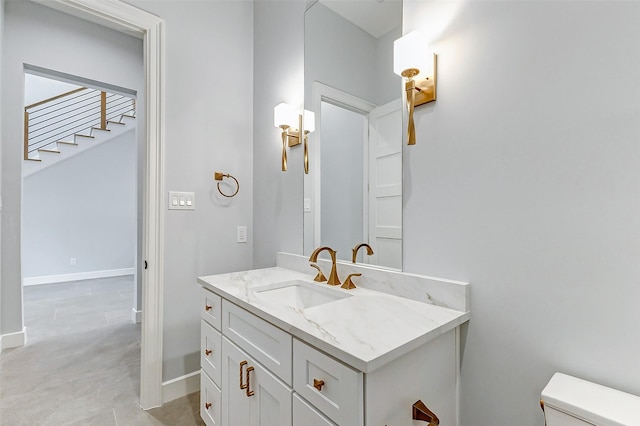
[85, 136]
[49, 150]
[127, 115]
[33, 159]
[67, 143]
[99, 128]
[116, 122]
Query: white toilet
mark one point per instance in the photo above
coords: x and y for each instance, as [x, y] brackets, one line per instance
[569, 401]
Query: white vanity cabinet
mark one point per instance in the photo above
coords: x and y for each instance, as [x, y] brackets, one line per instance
[263, 375]
[252, 396]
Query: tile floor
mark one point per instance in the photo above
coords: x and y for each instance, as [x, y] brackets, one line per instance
[81, 363]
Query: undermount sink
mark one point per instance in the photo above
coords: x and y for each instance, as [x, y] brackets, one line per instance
[299, 294]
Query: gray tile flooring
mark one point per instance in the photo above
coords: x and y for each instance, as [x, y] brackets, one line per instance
[81, 363]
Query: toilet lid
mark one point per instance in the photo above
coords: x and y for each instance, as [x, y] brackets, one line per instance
[592, 402]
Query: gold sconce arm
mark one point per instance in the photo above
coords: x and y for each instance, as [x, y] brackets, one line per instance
[284, 128]
[419, 92]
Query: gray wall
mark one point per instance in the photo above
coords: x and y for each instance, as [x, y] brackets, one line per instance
[342, 159]
[525, 182]
[82, 208]
[209, 127]
[40, 36]
[278, 67]
[1, 55]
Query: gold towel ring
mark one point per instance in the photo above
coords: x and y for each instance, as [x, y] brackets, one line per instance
[219, 176]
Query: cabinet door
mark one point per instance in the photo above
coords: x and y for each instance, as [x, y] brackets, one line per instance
[305, 415]
[270, 403]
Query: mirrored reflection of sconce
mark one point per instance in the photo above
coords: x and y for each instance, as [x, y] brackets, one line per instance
[412, 61]
[285, 117]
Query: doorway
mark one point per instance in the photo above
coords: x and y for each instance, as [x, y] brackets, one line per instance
[129, 20]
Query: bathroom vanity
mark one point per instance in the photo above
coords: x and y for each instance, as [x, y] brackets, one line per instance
[280, 349]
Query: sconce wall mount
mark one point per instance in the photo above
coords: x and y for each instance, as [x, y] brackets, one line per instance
[421, 76]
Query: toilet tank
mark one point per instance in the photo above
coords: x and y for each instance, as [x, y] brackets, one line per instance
[569, 401]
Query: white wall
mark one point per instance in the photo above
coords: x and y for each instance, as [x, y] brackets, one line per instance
[279, 77]
[40, 88]
[82, 208]
[40, 36]
[525, 182]
[209, 127]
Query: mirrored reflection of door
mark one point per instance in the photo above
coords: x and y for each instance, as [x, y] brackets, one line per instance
[343, 195]
[385, 184]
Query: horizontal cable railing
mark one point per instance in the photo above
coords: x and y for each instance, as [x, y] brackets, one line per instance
[76, 112]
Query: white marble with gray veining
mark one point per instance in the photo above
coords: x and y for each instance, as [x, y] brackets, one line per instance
[437, 291]
[367, 330]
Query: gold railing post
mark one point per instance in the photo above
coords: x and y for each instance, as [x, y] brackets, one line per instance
[103, 110]
[26, 135]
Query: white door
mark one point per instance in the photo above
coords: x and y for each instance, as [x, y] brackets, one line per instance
[385, 184]
[251, 395]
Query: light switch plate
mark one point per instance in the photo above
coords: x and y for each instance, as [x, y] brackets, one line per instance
[242, 234]
[182, 200]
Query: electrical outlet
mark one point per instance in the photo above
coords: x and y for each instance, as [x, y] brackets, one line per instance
[242, 234]
[72, 261]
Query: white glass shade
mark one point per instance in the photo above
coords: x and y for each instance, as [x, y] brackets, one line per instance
[309, 121]
[411, 51]
[283, 114]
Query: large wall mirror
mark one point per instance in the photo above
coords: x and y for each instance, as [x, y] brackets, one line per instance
[353, 192]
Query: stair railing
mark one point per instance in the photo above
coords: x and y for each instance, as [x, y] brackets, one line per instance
[54, 119]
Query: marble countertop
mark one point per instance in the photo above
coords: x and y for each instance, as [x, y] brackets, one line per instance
[365, 331]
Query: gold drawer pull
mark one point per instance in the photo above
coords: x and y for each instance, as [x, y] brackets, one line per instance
[207, 352]
[318, 384]
[207, 405]
[249, 391]
[421, 412]
[242, 385]
[208, 307]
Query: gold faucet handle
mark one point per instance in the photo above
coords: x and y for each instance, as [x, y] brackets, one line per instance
[320, 276]
[348, 284]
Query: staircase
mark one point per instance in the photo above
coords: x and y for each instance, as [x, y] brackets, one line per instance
[58, 128]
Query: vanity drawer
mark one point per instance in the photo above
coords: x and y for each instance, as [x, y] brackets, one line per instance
[211, 308]
[341, 392]
[269, 345]
[210, 351]
[210, 401]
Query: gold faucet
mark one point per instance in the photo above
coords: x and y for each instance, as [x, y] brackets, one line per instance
[333, 276]
[356, 248]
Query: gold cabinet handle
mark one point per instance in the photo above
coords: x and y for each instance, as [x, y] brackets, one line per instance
[249, 391]
[318, 384]
[208, 307]
[421, 412]
[207, 352]
[207, 405]
[242, 385]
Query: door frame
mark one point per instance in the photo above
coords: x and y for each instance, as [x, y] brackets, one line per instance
[128, 19]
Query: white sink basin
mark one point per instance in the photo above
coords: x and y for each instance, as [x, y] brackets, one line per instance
[299, 294]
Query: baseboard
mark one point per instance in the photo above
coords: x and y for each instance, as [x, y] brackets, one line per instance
[50, 279]
[13, 340]
[180, 386]
[136, 316]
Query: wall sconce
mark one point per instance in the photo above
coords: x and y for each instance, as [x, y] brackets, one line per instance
[285, 117]
[411, 62]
